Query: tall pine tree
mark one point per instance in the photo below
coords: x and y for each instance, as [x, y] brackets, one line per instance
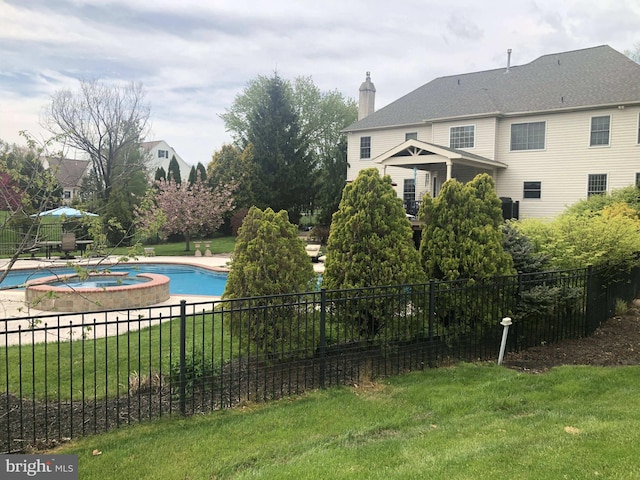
[281, 152]
[174, 171]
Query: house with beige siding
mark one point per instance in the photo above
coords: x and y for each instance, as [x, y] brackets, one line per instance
[551, 132]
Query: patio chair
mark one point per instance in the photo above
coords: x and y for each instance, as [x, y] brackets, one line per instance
[68, 244]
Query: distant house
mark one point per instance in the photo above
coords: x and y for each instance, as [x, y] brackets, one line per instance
[160, 154]
[69, 174]
[550, 132]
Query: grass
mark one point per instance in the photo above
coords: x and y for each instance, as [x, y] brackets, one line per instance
[80, 365]
[218, 245]
[468, 422]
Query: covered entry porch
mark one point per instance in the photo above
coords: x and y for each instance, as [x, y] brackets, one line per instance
[419, 167]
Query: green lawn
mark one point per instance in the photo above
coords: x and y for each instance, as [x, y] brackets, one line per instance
[218, 245]
[467, 422]
[59, 371]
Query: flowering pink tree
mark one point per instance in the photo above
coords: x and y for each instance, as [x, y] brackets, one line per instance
[169, 208]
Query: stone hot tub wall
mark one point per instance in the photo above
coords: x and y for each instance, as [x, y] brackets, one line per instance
[41, 296]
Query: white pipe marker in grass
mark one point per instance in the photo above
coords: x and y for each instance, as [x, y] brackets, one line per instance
[506, 321]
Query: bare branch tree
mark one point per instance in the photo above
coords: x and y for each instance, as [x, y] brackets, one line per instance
[104, 121]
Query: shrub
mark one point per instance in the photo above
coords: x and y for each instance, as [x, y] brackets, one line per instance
[610, 242]
[461, 238]
[462, 241]
[522, 250]
[630, 196]
[198, 369]
[370, 245]
[268, 260]
[371, 241]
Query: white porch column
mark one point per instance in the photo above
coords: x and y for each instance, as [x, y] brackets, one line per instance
[449, 164]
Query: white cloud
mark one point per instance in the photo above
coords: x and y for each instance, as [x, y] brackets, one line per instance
[194, 57]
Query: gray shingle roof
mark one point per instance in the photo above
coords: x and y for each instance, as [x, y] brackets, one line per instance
[68, 172]
[585, 78]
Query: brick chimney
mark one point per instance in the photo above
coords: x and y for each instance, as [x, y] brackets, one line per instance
[366, 103]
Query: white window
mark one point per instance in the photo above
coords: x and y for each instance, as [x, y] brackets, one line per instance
[527, 136]
[462, 137]
[365, 147]
[411, 136]
[597, 184]
[600, 129]
[163, 153]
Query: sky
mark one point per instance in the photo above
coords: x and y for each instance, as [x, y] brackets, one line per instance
[194, 57]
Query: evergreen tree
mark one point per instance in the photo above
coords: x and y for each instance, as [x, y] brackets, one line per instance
[371, 241]
[462, 241]
[160, 174]
[174, 171]
[322, 115]
[197, 173]
[331, 180]
[118, 216]
[462, 238]
[268, 259]
[525, 257]
[192, 175]
[201, 172]
[371, 245]
[230, 165]
[281, 152]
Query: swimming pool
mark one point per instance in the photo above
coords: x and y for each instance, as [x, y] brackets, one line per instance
[184, 279]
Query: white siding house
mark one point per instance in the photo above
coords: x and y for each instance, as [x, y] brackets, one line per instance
[160, 154]
[550, 132]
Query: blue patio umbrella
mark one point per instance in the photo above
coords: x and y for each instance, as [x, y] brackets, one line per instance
[66, 211]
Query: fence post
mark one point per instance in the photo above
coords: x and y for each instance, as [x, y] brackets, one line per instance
[591, 301]
[182, 392]
[432, 313]
[323, 336]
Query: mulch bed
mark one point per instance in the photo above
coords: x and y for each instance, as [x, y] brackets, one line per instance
[615, 343]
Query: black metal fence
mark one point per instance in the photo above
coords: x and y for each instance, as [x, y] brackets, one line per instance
[70, 375]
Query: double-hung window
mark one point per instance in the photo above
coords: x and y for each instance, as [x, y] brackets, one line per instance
[409, 191]
[365, 147]
[596, 184]
[411, 136]
[600, 130]
[527, 136]
[462, 137]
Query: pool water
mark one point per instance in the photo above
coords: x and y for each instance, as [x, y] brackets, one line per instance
[184, 279]
[91, 283]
